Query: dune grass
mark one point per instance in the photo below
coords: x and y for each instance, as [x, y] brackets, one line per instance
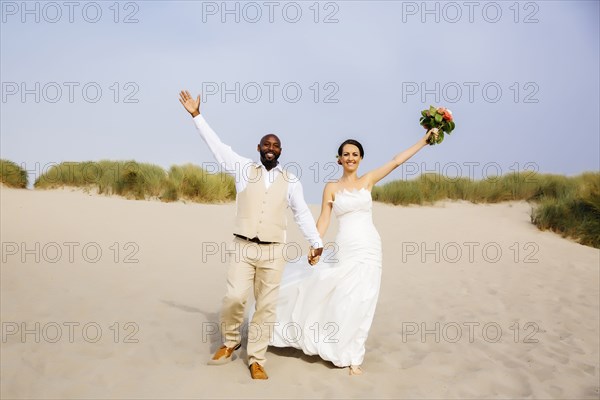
[141, 181]
[429, 188]
[569, 206]
[12, 175]
[191, 182]
[572, 210]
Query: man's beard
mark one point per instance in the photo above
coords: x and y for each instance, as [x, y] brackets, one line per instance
[269, 163]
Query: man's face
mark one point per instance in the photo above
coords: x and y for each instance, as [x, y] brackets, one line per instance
[270, 150]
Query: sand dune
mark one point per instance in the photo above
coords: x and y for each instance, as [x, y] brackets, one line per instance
[103, 297]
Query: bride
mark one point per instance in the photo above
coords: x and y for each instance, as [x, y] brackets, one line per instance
[328, 310]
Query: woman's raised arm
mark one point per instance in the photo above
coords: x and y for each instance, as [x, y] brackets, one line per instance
[378, 174]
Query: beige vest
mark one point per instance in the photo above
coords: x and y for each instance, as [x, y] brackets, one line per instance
[261, 211]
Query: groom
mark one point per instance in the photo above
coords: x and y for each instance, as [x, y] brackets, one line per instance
[264, 191]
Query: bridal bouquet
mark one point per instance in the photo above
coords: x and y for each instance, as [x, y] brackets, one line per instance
[440, 118]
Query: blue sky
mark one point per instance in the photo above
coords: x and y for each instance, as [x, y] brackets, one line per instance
[520, 77]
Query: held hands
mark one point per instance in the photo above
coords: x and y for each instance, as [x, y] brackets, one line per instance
[191, 105]
[314, 255]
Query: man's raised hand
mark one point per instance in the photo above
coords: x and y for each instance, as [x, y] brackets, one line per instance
[191, 105]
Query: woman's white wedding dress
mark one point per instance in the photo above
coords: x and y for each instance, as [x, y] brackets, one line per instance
[327, 309]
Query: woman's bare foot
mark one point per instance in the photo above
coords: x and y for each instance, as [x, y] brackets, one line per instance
[355, 370]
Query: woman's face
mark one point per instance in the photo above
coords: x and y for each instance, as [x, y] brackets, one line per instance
[350, 157]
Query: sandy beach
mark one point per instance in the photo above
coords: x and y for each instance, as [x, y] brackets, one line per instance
[103, 297]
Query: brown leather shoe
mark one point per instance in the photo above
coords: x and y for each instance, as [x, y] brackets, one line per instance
[223, 355]
[257, 371]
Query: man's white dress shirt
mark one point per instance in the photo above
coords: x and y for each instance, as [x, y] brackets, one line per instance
[237, 166]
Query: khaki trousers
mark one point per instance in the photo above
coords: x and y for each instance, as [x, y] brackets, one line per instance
[259, 267]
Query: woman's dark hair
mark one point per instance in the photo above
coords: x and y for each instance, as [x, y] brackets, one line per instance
[354, 142]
